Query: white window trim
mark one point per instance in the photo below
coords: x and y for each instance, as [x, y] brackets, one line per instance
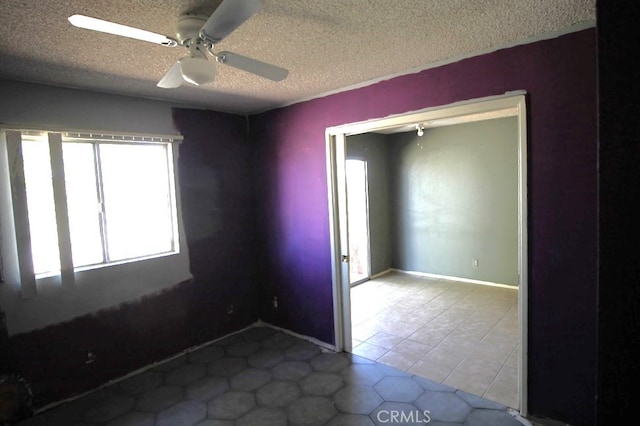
[80, 138]
[16, 239]
[67, 275]
[31, 302]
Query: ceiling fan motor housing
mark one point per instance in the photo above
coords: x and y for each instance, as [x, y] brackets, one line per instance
[188, 27]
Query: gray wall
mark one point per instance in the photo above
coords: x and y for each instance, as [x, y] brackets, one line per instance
[455, 197]
[217, 192]
[53, 107]
[374, 149]
[50, 107]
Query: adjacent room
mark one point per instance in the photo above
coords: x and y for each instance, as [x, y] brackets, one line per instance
[173, 227]
[434, 263]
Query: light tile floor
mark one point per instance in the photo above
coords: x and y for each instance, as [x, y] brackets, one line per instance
[460, 334]
[264, 377]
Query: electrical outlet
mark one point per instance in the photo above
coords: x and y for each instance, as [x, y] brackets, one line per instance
[231, 309]
[275, 303]
[476, 263]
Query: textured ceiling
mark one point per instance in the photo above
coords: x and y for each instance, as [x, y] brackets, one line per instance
[327, 45]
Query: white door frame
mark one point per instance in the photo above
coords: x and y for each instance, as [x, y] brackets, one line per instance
[511, 104]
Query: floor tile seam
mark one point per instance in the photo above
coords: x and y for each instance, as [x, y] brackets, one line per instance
[387, 333]
[448, 374]
[390, 307]
[516, 352]
[421, 343]
[492, 329]
[373, 344]
[402, 369]
[505, 314]
[480, 394]
[437, 316]
[465, 357]
[506, 366]
[492, 383]
[476, 344]
[449, 334]
[403, 340]
[502, 364]
[465, 372]
[494, 375]
[422, 308]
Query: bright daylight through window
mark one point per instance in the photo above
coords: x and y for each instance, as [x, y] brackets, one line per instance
[120, 201]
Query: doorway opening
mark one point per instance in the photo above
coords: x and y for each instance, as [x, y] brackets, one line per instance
[511, 105]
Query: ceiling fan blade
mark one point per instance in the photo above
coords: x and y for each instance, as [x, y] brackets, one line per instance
[173, 77]
[227, 17]
[253, 66]
[89, 23]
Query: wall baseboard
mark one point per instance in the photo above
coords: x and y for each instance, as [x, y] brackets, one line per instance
[259, 323]
[140, 370]
[379, 274]
[450, 278]
[313, 340]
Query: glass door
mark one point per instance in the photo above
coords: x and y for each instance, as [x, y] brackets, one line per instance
[358, 221]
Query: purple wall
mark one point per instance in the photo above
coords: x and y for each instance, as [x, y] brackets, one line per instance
[559, 76]
[218, 213]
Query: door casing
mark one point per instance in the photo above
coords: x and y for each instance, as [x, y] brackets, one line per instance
[511, 104]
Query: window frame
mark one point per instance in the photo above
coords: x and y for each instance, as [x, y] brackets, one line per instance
[104, 226]
[17, 261]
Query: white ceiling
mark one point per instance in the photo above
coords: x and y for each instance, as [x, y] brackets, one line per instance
[327, 45]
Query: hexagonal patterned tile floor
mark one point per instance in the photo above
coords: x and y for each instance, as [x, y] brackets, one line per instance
[263, 376]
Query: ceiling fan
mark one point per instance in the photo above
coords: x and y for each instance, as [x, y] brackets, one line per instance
[199, 35]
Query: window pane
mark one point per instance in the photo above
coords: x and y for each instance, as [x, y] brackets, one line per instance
[137, 200]
[42, 213]
[82, 203]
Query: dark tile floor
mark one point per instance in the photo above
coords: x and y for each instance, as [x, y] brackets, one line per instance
[263, 376]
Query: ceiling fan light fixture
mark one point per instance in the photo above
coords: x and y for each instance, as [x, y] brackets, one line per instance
[197, 71]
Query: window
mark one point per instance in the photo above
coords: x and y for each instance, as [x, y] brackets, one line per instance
[91, 201]
[119, 201]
